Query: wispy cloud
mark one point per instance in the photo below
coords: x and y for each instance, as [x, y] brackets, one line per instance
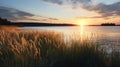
[105, 10]
[72, 2]
[55, 1]
[52, 18]
[13, 14]
[93, 17]
[18, 15]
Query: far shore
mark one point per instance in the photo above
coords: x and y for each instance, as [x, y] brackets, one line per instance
[19, 24]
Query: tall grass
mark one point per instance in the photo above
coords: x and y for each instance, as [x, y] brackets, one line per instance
[25, 48]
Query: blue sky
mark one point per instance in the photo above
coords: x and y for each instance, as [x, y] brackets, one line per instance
[62, 11]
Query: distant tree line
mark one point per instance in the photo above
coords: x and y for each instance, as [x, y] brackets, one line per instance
[4, 21]
[108, 24]
[21, 24]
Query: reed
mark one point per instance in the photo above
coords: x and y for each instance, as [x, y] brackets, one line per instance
[27, 48]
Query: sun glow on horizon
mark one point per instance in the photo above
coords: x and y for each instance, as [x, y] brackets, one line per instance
[81, 22]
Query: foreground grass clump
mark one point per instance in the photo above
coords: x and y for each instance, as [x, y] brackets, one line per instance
[47, 49]
[26, 49]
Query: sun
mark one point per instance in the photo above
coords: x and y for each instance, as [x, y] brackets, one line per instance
[81, 22]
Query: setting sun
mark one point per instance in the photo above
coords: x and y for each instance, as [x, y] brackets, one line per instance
[81, 22]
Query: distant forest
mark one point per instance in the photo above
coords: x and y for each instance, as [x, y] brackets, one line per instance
[7, 22]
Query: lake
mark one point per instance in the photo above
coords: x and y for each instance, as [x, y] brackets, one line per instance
[107, 36]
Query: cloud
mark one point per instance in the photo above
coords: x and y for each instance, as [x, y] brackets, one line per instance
[49, 19]
[72, 2]
[53, 19]
[17, 15]
[55, 1]
[105, 10]
[88, 17]
[13, 14]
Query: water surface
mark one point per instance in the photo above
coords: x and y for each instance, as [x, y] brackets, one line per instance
[107, 36]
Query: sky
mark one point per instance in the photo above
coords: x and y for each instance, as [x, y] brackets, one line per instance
[86, 12]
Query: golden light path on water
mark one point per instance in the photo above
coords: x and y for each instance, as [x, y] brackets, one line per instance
[81, 32]
[81, 24]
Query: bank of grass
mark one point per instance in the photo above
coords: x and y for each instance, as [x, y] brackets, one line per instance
[47, 49]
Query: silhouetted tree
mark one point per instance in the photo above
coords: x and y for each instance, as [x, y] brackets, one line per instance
[4, 21]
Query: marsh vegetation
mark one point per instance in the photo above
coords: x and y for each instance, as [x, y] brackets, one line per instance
[28, 48]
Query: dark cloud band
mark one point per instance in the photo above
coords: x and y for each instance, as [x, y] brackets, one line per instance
[13, 14]
[106, 10]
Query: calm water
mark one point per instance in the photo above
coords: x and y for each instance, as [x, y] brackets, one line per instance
[107, 36]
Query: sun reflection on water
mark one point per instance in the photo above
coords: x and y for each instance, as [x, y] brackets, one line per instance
[81, 32]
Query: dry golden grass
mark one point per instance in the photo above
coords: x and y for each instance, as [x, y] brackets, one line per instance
[28, 48]
[9, 28]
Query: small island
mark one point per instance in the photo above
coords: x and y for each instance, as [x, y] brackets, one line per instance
[108, 24]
